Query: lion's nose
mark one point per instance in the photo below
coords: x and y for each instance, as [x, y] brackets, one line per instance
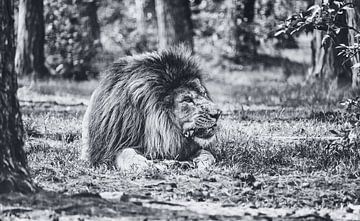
[215, 114]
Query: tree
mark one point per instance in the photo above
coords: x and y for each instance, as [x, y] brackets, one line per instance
[88, 12]
[174, 23]
[141, 41]
[140, 17]
[30, 59]
[14, 175]
[326, 63]
[353, 17]
[243, 17]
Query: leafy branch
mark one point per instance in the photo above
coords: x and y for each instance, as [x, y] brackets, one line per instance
[324, 17]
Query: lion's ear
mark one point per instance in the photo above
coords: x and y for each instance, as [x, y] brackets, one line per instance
[198, 85]
[169, 100]
[196, 82]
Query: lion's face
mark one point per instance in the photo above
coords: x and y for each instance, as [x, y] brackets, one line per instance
[195, 113]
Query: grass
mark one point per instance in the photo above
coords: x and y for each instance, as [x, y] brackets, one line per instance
[268, 124]
[59, 87]
[276, 129]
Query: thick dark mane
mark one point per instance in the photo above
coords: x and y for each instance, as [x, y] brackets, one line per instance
[129, 108]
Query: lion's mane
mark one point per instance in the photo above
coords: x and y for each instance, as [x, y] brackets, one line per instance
[131, 107]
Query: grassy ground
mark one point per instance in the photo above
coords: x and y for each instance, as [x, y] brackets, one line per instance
[274, 158]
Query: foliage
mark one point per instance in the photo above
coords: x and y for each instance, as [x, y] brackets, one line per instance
[213, 23]
[270, 13]
[348, 144]
[320, 17]
[324, 17]
[70, 44]
[118, 22]
[350, 51]
[72, 52]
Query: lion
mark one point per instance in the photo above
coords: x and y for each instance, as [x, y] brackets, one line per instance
[147, 107]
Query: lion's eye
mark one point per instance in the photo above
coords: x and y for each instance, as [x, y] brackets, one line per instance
[188, 100]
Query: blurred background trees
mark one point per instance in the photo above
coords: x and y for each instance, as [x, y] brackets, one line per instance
[79, 38]
[140, 16]
[30, 58]
[174, 23]
[72, 37]
[82, 37]
[243, 15]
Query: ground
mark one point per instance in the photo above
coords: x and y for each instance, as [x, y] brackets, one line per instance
[275, 160]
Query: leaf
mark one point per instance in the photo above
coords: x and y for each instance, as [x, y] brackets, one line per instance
[314, 8]
[301, 23]
[348, 7]
[356, 66]
[280, 32]
[294, 31]
[338, 4]
[325, 41]
[341, 53]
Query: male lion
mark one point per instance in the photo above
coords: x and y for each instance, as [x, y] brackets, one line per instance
[150, 106]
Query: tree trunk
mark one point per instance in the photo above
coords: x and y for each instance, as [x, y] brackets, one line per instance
[88, 10]
[14, 175]
[243, 17]
[326, 64]
[140, 17]
[141, 41]
[174, 23]
[353, 17]
[30, 59]
[90, 41]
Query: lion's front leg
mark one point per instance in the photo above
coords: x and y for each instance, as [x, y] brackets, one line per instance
[204, 159]
[128, 160]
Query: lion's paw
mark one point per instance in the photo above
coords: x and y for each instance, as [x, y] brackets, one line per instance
[204, 159]
[130, 161]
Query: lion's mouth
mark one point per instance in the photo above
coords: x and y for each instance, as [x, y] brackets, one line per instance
[204, 133]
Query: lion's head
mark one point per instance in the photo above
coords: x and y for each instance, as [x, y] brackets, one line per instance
[155, 103]
[195, 113]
